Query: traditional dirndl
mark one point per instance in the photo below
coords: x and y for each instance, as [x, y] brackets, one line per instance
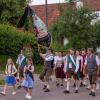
[10, 80]
[80, 72]
[59, 73]
[28, 82]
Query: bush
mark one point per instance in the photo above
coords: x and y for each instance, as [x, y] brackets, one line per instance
[3, 61]
[13, 40]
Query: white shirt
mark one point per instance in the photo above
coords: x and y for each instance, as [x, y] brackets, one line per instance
[78, 58]
[77, 67]
[59, 61]
[70, 64]
[48, 57]
[65, 64]
[20, 59]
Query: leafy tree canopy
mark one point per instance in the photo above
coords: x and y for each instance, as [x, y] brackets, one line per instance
[11, 10]
[75, 24]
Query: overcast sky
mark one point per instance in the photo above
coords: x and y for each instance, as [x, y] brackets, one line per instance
[39, 2]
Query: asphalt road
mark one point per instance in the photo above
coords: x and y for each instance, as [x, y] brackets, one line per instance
[55, 94]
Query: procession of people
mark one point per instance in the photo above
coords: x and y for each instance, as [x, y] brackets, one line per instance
[20, 76]
[80, 67]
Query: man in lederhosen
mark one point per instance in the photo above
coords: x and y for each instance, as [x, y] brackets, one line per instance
[71, 69]
[92, 64]
[48, 68]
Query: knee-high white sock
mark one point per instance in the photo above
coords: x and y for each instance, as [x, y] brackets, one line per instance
[77, 85]
[47, 84]
[93, 90]
[97, 85]
[76, 88]
[48, 87]
[68, 85]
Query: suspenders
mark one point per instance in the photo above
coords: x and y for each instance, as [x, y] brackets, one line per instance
[11, 68]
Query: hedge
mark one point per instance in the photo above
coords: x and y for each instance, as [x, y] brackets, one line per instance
[12, 41]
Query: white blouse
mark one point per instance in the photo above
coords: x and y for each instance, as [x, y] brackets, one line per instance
[59, 61]
[78, 58]
[20, 59]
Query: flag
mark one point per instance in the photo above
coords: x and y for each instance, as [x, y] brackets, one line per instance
[41, 33]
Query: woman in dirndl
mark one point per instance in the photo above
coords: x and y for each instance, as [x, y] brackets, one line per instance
[28, 79]
[59, 73]
[10, 78]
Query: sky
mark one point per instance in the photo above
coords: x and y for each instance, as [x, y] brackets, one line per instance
[39, 2]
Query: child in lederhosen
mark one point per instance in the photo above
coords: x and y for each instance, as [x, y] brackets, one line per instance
[10, 78]
[28, 78]
[21, 62]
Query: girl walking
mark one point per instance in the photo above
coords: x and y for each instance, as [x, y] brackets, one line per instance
[28, 78]
[59, 65]
[10, 78]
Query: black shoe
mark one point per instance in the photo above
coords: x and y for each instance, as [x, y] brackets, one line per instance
[90, 93]
[76, 91]
[19, 87]
[74, 85]
[93, 94]
[66, 92]
[47, 90]
[62, 85]
[57, 84]
[84, 85]
[81, 85]
[44, 87]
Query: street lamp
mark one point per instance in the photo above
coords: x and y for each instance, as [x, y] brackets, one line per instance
[46, 13]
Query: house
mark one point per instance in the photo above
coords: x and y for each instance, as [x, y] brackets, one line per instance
[54, 13]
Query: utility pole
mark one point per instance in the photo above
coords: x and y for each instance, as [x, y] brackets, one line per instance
[46, 13]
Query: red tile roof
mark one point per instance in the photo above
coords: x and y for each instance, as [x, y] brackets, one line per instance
[93, 4]
[53, 10]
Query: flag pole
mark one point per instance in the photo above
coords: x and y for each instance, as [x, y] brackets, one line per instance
[46, 13]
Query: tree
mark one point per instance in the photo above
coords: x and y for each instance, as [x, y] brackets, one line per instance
[96, 28]
[75, 24]
[11, 10]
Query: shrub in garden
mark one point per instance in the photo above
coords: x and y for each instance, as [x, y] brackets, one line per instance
[13, 40]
